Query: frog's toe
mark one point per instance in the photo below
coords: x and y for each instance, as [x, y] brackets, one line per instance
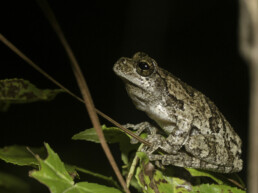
[128, 125]
[134, 141]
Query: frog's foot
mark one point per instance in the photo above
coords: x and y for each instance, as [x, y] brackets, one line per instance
[159, 142]
[140, 128]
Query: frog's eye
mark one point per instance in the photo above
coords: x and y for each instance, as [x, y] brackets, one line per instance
[144, 68]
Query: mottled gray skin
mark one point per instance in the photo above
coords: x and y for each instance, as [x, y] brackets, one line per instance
[197, 135]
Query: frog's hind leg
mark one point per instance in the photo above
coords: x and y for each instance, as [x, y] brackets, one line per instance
[214, 150]
[185, 160]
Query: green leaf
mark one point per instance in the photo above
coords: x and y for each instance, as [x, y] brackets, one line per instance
[214, 188]
[19, 155]
[13, 91]
[110, 180]
[195, 173]
[112, 135]
[129, 170]
[12, 184]
[53, 174]
[86, 187]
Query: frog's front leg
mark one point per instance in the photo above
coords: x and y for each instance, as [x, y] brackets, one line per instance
[175, 140]
[140, 127]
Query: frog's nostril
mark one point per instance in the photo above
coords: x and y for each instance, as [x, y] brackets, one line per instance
[122, 60]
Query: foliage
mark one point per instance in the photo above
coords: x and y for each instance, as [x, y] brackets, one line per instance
[59, 177]
[53, 174]
[19, 155]
[15, 91]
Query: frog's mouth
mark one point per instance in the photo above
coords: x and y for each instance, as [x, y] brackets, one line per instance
[137, 94]
[133, 88]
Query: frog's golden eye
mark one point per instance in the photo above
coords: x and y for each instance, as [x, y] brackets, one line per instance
[144, 68]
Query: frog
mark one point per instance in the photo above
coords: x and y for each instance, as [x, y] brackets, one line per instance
[189, 130]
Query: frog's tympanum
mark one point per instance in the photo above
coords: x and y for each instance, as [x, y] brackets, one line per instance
[191, 131]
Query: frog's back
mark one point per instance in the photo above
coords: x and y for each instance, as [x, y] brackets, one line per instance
[192, 104]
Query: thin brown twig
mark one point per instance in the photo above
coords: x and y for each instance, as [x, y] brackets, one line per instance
[236, 183]
[84, 90]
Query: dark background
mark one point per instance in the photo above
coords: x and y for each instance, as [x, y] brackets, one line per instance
[195, 40]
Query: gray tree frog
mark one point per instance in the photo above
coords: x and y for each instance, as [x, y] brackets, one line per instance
[195, 133]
